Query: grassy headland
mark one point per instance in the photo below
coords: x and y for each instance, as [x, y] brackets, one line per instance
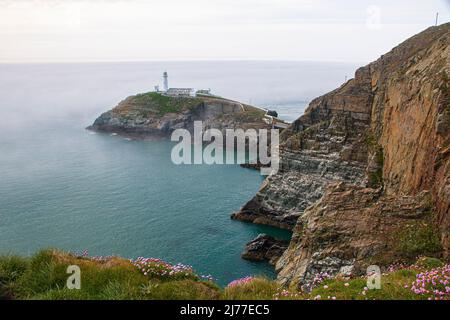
[44, 276]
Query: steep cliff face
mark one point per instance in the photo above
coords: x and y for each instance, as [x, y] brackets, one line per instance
[327, 144]
[365, 172]
[155, 115]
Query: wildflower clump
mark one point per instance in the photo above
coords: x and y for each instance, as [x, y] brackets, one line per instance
[240, 281]
[160, 269]
[207, 277]
[286, 294]
[85, 255]
[81, 254]
[433, 284]
[317, 280]
[397, 266]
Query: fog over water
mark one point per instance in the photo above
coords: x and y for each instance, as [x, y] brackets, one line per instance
[61, 186]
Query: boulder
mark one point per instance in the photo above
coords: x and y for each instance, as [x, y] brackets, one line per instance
[264, 247]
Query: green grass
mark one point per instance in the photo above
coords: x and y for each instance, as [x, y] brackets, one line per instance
[419, 238]
[429, 263]
[12, 268]
[181, 290]
[258, 289]
[43, 276]
[392, 288]
[154, 102]
[151, 97]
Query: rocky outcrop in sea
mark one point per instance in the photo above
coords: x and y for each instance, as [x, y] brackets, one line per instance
[153, 114]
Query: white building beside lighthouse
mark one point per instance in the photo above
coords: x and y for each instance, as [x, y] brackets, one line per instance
[174, 92]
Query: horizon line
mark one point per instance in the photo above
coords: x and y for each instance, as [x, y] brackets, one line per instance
[182, 60]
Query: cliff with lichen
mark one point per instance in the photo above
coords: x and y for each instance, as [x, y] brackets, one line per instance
[364, 175]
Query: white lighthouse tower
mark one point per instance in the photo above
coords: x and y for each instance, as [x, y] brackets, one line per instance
[166, 81]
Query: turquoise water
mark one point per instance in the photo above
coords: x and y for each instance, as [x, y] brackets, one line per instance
[61, 186]
[113, 196]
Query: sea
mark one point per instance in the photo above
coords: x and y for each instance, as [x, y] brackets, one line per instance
[64, 187]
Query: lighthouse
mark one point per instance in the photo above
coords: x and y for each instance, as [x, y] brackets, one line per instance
[166, 81]
[174, 92]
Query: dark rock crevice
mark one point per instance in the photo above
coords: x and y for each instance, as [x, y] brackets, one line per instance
[265, 248]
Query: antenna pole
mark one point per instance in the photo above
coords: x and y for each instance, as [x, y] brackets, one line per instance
[437, 16]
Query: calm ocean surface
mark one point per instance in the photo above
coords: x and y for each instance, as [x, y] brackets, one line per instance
[61, 186]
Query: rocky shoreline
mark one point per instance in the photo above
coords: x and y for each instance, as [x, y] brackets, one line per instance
[364, 175]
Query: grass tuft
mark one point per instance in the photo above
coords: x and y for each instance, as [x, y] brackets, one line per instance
[257, 289]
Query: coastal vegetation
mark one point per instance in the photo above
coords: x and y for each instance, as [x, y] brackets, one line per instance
[44, 276]
[156, 104]
[375, 177]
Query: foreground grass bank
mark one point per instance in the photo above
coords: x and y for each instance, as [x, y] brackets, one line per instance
[44, 276]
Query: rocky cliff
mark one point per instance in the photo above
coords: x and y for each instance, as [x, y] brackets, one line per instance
[364, 173]
[155, 115]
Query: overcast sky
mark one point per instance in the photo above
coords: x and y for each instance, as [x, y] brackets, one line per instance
[136, 30]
